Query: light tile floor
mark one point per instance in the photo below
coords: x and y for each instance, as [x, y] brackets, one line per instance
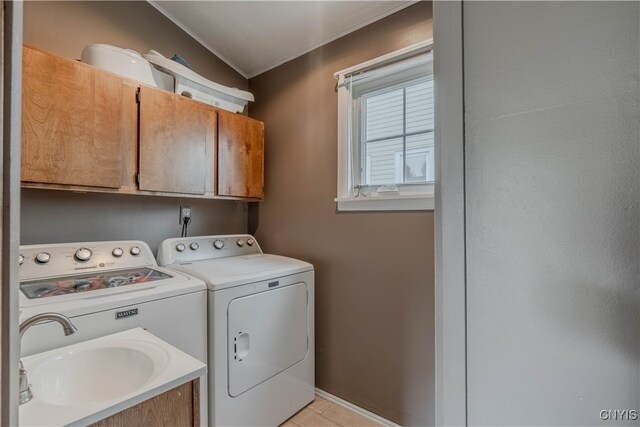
[321, 413]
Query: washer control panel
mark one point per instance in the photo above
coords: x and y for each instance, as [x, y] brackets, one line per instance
[38, 261]
[188, 249]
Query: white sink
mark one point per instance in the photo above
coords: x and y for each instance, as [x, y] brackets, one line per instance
[86, 382]
[71, 377]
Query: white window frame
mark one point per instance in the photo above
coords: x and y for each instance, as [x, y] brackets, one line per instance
[412, 197]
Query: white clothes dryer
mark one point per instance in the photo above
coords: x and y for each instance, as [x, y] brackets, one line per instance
[108, 287]
[260, 327]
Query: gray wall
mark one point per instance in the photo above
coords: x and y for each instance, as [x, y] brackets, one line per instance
[50, 216]
[553, 221]
[65, 27]
[374, 270]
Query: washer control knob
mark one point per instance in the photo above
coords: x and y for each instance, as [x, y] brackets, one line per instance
[180, 247]
[194, 246]
[250, 242]
[43, 257]
[135, 251]
[240, 242]
[117, 252]
[21, 259]
[218, 244]
[83, 254]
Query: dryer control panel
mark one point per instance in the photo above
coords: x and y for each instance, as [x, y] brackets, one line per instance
[189, 249]
[38, 261]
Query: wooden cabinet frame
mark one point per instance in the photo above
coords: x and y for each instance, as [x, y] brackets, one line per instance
[81, 140]
[126, 146]
[240, 156]
[178, 407]
[177, 140]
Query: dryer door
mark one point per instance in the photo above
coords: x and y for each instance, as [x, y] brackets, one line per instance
[268, 333]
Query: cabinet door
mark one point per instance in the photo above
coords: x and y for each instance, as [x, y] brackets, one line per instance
[240, 156]
[75, 122]
[178, 407]
[177, 139]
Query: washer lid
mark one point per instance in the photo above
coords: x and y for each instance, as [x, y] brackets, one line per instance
[91, 282]
[239, 270]
[171, 284]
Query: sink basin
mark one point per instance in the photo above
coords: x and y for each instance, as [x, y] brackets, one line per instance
[86, 382]
[118, 371]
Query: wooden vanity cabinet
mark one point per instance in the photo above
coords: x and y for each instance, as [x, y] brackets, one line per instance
[177, 143]
[240, 156]
[179, 407]
[76, 122]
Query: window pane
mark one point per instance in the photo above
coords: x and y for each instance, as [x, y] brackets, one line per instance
[420, 107]
[420, 160]
[384, 115]
[416, 167]
[396, 113]
[379, 167]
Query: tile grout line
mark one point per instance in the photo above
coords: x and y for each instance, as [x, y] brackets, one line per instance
[325, 409]
[335, 400]
[332, 419]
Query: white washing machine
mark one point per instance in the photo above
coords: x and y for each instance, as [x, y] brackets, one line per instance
[108, 287]
[261, 327]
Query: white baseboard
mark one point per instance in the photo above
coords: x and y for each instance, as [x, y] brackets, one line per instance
[360, 411]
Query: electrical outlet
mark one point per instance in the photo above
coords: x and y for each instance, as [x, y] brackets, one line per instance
[185, 212]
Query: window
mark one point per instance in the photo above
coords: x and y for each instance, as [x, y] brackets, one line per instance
[386, 132]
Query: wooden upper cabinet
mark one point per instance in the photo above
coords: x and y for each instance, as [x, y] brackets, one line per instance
[76, 121]
[240, 156]
[85, 127]
[177, 142]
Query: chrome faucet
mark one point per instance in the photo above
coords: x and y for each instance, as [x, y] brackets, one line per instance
[68, 327]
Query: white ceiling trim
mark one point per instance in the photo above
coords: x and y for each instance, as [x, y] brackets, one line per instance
[196, 38]
[331, 39]
[156, 4]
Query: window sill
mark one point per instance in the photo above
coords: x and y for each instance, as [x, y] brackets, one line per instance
[402, 202]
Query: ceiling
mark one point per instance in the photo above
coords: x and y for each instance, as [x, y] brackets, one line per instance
[255, 36]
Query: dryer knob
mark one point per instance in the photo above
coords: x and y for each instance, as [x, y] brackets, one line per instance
[83, 254]
[250, 242]
[218, 244]
[43, 258]
[135, 251]
[180, 247]
[194, 246]
[240, 242]
[117, 252]
[21, 259]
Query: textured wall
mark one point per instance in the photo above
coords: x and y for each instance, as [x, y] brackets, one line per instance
[374, 270]
[50, 216]
[553, 219]
[56, 216]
